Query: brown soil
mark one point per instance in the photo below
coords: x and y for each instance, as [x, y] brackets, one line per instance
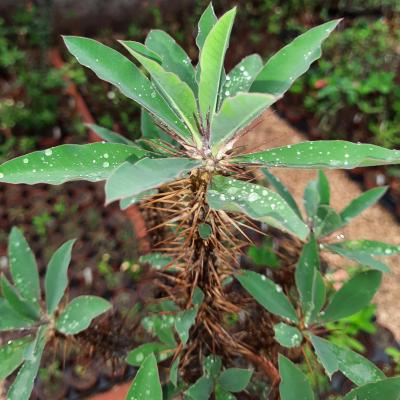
[376, 223]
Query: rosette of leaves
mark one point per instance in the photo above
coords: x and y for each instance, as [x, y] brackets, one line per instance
[190, 167]
[37, 316]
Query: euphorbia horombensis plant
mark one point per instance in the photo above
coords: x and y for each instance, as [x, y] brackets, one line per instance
[191, 169]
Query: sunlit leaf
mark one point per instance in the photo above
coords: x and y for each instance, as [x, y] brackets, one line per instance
[258, 202]
[287, 336]
[292, 61]
[206, 22]
[267, 293]
[336, 154]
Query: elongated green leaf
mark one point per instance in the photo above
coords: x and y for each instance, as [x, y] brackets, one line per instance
[177, 93]
[12, 355]
[150, 130]
[10, 319]
[242, 76]
[146, 384]
[212, 64]
[156, 260]
[22, 386]
[268, 294]
[221, 394]
[201, 390]
[388, 389]
[108, 135]
[326, 221]
[292, 61]
[160, 350]
[145, 51]
[323, 188]
[294, 384]
[353, 296]
[235, 379]
[173, 57]
[206, 22]
[371, 247]
[361, 203]
[362, 258]
[23, 267]
[184, 321]
[130, 179]
[287, 336]
[311, 200]
[173, 372]
[56, 280]
[68, 162]
[20, 305]
[235, 114]
[115, 68]
[276, 183]
[162, 327]
[309, 281]
[257, 202]
[323, 154]
[354, 366]
[79, 313]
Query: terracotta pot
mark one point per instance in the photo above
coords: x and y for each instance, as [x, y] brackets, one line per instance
[118, 392]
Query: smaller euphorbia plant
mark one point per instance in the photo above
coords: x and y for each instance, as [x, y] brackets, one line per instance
[190, 168]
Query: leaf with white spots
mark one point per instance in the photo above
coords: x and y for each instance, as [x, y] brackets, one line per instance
[354, 366]
[156, 260]
[184, 321]
[22, 386]
[111, 66]
[56, 279]
[79, 313]
[23, 267]
[139, 354]
[12, 355]
[335, 154]
[146, 384]
[69, 162]
[292, 61]
[132, 178]
[108, 135]
[371, 247]
[242, 76]
[287, 336]
[10, 319]
[388, 389]
[255, 201]
[236, 113]
[268, 294]
[212, 64]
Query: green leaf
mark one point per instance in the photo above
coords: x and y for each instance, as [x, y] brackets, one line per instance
[146, 384]
[292, 61]
[323, 154]
[109, 135]
[294, 384]
[68, 162]
[268, 294]
[236, 114]
[354, 366]
[326, 221]
[56, 280]
[10, 319]
[212, 366]
[205, 231]
[201, 390]
[371, 247]
[23, 267]
[221, 394]
[156, 260]
[145, 51]
[353, 296]
[264, 255]
[206, 22]
[22, 306]
[177, 93]
[22, 386]
[323, 189]
[309, 282]
[150, 130]
[12, 355]
[173, 372]
[311, 199]
[111, 66]
[361, 203]
[174, 58]
[129, 201]
[212, 64]
[287, 336]
[184, 321]
[388, 389]
[276, 183]
[235, 379]
[257, 202]
[79, 313]
[242, 76]
[160, 350]
[360, 257]
[162, 327]
[131, 179]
